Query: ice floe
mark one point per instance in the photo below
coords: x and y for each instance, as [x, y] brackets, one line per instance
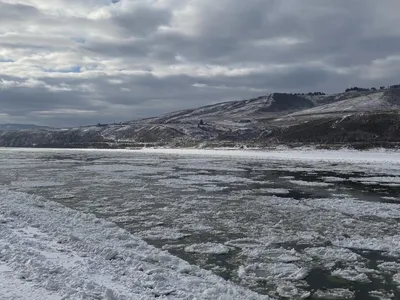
[290, 291]
[351, 275]
[310, 183]
[163, 233]
[274, 271]
[333, 179]
[396, 279]
[334, 294]
[329, 254]
[208, 248]
[377, 180]
[276, 191]
[389, 266]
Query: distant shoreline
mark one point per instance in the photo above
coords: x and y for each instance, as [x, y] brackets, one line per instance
[305, 153]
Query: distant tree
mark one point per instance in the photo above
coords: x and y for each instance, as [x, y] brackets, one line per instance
[357, 89]
[316, 94]
[396, 86]
[382, 87]
[201, 122]
[373, 89]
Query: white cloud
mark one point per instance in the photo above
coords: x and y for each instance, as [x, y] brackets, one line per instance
[385, 68]
[62, 111]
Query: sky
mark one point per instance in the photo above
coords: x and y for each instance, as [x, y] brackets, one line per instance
[77, 62]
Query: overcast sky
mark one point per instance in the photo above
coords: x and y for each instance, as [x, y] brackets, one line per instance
[75, 62]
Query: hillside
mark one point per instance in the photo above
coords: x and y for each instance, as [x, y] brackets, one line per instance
[355, 118]
[270, 105]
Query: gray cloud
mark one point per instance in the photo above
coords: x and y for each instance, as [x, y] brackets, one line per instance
[80, 62]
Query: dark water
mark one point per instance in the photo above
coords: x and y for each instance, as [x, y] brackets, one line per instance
[176, 201]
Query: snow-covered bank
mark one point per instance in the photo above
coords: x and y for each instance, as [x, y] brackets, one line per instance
[12, 287]
[376, 155]
[301, 154]
[48, 251]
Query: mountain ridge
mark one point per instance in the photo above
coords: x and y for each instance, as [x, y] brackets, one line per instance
[16, 126]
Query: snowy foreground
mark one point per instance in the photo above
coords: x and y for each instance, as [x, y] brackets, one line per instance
[170, 224]
[48, 251]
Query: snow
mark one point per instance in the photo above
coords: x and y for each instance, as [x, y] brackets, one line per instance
[314, 155]
[344, 155]
[370, 102]
[14, 288]
[48, 251]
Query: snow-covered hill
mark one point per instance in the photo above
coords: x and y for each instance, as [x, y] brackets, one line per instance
[238, 111]
[371, 116]
[379, 101]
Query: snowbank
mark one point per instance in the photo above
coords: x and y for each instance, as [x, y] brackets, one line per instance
[306, 154]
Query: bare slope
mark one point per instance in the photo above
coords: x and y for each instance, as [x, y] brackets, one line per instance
[347, 104]
[264, 106]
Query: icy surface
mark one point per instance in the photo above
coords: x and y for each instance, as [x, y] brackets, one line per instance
[288, 224]
[50, 252]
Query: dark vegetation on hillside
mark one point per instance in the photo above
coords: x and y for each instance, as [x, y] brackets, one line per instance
[370, 129]
[284, 102]
[360, 89]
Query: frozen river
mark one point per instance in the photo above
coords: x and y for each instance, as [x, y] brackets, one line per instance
[289, 224]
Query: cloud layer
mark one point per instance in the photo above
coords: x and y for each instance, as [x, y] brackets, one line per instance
[73, 62]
